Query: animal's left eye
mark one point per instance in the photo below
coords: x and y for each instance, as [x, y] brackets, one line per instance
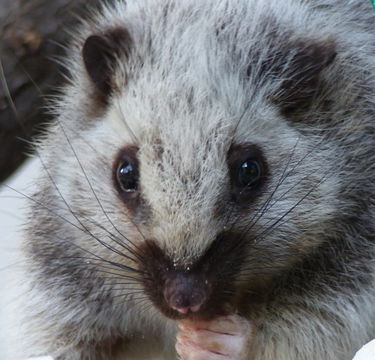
[249, 173]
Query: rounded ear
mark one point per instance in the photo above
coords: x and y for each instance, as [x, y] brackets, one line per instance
[302, 73]
[100, 53]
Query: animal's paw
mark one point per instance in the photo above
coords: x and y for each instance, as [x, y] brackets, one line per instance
[223, 338]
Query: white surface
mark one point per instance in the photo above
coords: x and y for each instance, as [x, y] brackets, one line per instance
[12, 210]
[367, 352]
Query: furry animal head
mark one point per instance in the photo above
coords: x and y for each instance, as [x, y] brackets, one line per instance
[195, 153]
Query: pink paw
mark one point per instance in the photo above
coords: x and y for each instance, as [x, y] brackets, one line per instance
[223, 338]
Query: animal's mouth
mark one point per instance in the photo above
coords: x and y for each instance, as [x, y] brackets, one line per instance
[183, 294]
[201, 290]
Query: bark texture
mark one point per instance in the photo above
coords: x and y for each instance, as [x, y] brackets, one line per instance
[32, 36]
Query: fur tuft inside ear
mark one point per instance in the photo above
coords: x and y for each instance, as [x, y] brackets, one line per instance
[302, 72]
[100, 53]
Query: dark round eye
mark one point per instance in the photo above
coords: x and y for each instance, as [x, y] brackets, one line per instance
[249, 173]
[127, 177]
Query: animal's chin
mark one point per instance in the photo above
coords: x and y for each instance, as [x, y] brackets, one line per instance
[210, 311]
[191, 316]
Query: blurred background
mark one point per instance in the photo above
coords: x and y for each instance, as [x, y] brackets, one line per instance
[33, 38]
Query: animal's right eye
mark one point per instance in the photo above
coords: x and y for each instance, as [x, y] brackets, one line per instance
[127, 177]
[126, 173]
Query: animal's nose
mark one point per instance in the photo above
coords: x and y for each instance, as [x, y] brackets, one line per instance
[185, 292]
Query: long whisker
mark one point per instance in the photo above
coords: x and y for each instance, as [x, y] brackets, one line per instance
[272, 227]
[108, 263]
[116, 240]
[281, 180]
[5, 85]
[264, 207]
[86, 142]
[268, 205]
[69, 222]
[278, 223]
[91, 187]
[6, 89]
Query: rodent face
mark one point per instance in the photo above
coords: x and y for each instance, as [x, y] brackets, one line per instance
[203, 238]
[195, 166]
[207, 232]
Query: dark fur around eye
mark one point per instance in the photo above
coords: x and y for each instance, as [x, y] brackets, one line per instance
[247, 171]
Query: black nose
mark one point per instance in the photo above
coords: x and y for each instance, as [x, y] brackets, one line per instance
[185, 292]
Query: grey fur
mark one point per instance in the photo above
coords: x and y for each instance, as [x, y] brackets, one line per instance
[192, 98]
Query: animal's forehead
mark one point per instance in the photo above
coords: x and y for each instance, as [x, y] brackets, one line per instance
[199, 72]
[186, 134]
[166, 124]
[186, 147]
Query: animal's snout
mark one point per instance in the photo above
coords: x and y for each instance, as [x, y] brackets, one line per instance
[185, 292]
